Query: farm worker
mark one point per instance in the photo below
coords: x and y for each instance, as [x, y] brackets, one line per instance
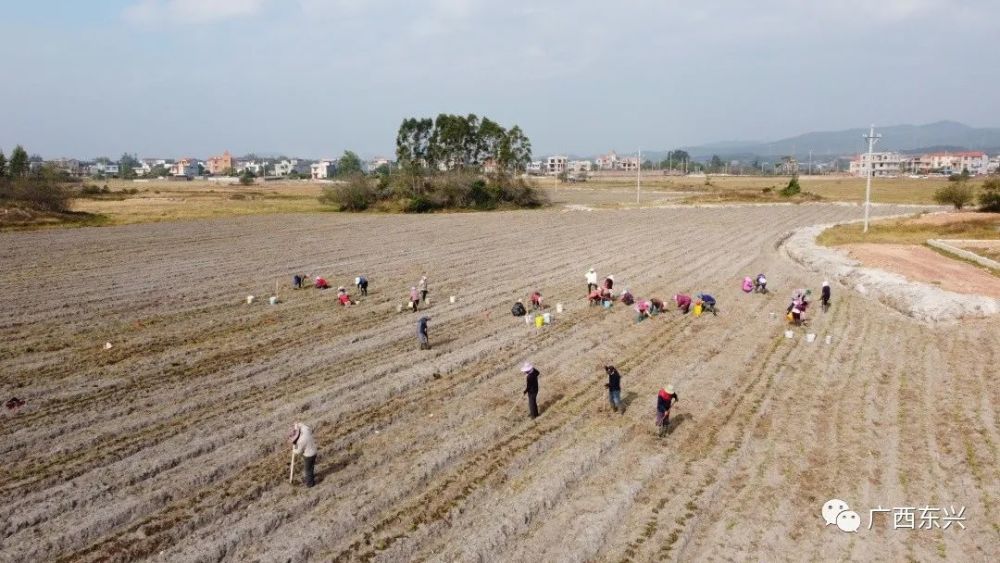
[536, 301]
[296, 282]
[321, 283]
[609, 283]
[683, 302]
[302, 442]
[707, 303]
[343, 297]
[747, 284]
[796, 314]
[425, 343]
[362, 285]
[531, 388]
[642, 307]
[606, 295]
[825, 295]
[656, 306]
[627, 297]
[595, 297]
[760, 284]
[665, 399]
[591, 280]
[518, 309]
[614, 386]
[414, 299]
[423, 288]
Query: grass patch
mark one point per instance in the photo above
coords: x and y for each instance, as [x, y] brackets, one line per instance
[905, 231]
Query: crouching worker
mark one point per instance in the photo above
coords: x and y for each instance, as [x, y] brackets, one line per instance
[665, 400]
[595, 297]
[760, 284]
[425, 342]
[321, 283]
[825, 295]
[707, 303]
[362, 283]
[536, 301]
[518, 309]
[302, 442]
[414, 299]
[343, 297]
[656, 306]
[683, 302]
[642, 308]
[627, 298]
[297, 281]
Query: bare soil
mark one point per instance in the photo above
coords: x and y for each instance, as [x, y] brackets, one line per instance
[923, 264]
[169, 445]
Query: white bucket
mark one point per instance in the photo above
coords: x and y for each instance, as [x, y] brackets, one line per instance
[810, 337]
[528, 319]
[428, 300]
[399, 308]
[789, 334]
[273, 300]
[559, 308]
[829, 339]
[547, 318]
[452, 299]
[250, 299]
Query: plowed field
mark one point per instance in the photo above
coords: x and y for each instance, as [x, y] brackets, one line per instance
[170, 444]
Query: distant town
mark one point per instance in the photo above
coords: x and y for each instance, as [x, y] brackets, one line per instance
[227, 168]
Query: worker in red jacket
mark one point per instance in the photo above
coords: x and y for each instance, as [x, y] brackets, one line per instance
[665, 399]
[683, 302]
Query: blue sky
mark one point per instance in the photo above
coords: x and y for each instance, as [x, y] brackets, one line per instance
[314, 77]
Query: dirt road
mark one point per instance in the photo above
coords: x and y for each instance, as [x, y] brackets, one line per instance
[169, 445]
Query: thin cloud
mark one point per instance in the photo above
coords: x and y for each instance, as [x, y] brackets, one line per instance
[191, 11]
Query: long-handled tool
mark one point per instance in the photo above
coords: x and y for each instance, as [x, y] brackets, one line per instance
[291, 467]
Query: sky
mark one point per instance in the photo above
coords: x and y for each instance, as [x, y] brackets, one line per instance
[312, 78]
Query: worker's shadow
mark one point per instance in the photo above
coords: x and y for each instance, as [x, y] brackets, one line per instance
[627, 400]
[676, 421]
[338, 464]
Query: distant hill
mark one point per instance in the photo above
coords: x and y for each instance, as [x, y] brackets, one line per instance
[904, 138]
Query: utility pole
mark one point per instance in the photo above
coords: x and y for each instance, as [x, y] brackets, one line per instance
[810, 163]
[638, 177]
[872, 139]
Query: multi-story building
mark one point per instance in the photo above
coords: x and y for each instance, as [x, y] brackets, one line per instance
[535, 168]
[579, 166]
[286, 167]
[218, 165]
[323, 169]
[555, 165]
[879, 164]
[185, 167]
[608, 161]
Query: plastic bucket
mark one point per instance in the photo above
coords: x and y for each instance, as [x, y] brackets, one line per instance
[547, 318]
[539, 321]
[559, 308]
[273, 300]
[789, 334]
[829, 339]
[528, 319]
[452, 298]
[810, 337]
[250, 299]
[606, 304]
[399, 308]
[428, 300]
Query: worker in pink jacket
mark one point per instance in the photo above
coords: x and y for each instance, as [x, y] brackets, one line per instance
[683, 302]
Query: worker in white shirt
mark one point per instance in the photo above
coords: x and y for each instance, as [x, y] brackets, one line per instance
[302, 442]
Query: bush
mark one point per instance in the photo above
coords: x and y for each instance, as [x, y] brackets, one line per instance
[958, 194]
[356, 195]
[38, 193]
[989, 198]
[793, 188]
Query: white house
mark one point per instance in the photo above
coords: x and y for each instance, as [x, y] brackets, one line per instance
[579, 166]
[536, 168]
[881, 164]
[286, 167]
[374, 164]
[323, 169]
[555, 165]
[103, 169]
[608, 161]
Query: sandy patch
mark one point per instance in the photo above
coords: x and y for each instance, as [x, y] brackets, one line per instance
[946, 218]
[923, 264]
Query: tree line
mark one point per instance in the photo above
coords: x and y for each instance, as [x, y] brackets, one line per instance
[454, 142]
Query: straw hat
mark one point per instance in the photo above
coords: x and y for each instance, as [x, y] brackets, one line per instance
[612, 278]
[826, 284]
[527, 367]
[591, 269]
[670, 389]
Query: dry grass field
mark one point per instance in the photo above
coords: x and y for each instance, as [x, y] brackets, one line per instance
[169, 446]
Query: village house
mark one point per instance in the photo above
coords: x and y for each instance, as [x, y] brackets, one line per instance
[555, 165]
[286, 167]
[219, 165]
[878, 164]
[323, 169]
[185, 167]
